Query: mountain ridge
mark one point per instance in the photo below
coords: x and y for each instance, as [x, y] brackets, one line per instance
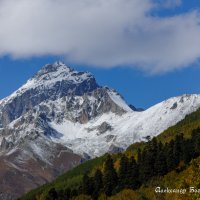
[95, 113]
[60, 111]
[74, 177]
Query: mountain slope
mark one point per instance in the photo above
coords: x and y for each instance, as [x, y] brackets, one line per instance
[175, 179]
[61, 116]
[109, 131]
[54, 94]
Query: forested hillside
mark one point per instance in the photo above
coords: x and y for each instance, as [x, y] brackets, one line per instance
[137, 172]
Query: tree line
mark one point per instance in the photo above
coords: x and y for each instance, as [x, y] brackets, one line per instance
[155, 159]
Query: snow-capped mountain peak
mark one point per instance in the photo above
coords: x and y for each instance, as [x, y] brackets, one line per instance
[56, 81]
[69, 108]
[58, 71]
[50, 75]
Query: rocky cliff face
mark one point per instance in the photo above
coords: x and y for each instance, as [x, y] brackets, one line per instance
[55, 94]
[53, 82]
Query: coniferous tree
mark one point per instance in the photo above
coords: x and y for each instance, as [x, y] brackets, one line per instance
[67, 193]
[147, 161]
[98, 184]
[123, 172]
[154, 145]
[133, 174]
[196, 142]
[74, 193]
[61, 194]
[139, 156]
[169, 152]
[52, 194]
[188, 151]
[160, 164]
[87, 185]
[178, 149]
[144, 167]
[110, 179]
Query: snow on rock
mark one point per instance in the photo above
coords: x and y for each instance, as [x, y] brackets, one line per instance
[88, 121]
[126, 129]
[119, 100]
[48, 76]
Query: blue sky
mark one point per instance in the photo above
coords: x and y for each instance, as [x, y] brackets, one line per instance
[138, 88]
[154, 59]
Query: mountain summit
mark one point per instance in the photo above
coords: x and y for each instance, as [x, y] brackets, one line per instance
[53, 82]
[61, 116]
[67, 79]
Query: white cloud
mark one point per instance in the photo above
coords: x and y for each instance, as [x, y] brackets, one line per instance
[100, 33]
[170, 3]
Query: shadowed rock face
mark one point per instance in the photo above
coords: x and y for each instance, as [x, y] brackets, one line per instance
[46, 85]
[103, 104]
[104, 127]
[25, 101]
